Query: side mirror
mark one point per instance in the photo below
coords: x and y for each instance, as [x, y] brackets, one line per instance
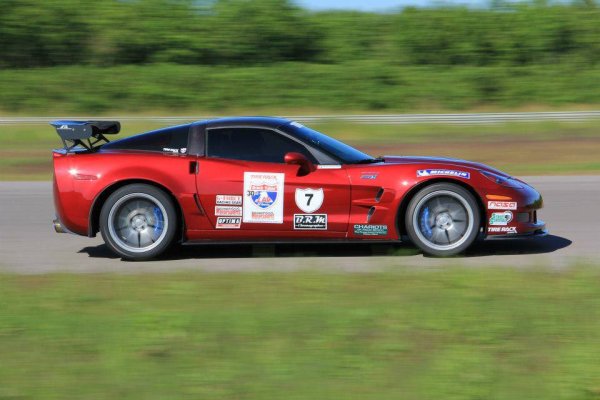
[306, 167]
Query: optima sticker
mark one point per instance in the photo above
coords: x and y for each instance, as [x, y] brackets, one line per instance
[370, 230]
[229, 222]
[310, 222]
[228, 211]
[443, 172]
[263, 193]
[501, 218]
[502, 205]
[228, 200]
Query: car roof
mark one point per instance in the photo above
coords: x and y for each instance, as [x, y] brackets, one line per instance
[270, 122]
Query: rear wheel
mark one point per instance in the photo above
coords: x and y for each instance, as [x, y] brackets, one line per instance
[443, 219]
[138, 222]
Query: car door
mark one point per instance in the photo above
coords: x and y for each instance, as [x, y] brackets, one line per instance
[248, 191]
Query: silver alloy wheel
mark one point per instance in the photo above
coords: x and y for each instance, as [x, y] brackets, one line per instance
[443, 220]
[138, 222]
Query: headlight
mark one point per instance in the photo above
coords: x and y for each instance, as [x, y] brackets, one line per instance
[501, 180]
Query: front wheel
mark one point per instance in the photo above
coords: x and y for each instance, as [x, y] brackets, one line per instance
[138, 222]
[443, 219]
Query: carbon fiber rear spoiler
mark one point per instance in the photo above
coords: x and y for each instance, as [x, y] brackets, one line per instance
[87, 134]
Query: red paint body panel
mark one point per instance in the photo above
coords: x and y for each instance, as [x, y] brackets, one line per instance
[353, 194]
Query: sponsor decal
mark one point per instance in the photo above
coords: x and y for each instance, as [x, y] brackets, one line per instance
[229, 222]
[370, 230]
[183, 150]
[502, 205]
[502, 218]
[66, 128]
[264, 197]
[228, 211]
[335, 166]
[368, 175]
[296, 124]
[443, 172]
[310, 222]
[309, 200]
[502, 229]
[229, 200]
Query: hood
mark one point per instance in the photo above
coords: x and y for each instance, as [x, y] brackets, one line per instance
[441, 160]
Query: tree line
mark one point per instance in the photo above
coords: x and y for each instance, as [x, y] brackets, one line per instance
[37, 33]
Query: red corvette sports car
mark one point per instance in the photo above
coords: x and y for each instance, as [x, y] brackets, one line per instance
[273, 180]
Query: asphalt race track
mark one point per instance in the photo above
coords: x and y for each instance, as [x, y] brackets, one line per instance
[29, 245]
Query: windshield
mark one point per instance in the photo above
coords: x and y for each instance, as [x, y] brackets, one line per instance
[347, 154]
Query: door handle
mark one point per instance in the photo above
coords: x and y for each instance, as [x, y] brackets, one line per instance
[194, 167]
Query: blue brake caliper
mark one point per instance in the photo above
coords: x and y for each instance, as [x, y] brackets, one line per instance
[160, 222]
[424, 222]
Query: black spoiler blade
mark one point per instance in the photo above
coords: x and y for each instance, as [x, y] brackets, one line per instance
[87, 134]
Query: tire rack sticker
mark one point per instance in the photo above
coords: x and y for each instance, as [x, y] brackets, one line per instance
[370, 230]
[228, 211]
[502, 229]
[263, 192]
[310, 222]
[228, 200]
[502, 205]
[229, 222]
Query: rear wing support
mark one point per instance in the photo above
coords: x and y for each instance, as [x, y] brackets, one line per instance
[86, 134]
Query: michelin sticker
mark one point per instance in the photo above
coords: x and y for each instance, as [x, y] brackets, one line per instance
[229, 222]
[310, 222]
[228, 200]
[502, 218]
[370, 230]
[309, 200]
[502, 205]
[443, 172]
[263, 193]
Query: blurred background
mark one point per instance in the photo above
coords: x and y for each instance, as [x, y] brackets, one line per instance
[389, 326]
[278, 57]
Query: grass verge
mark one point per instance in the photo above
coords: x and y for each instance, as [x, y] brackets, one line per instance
[450, 334]
[545, 148]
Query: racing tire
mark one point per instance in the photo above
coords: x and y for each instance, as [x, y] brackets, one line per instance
[138, 222]
[443, 219]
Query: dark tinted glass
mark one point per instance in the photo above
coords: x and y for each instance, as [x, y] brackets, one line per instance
[342, 151]
[252, 144]
[169, 139]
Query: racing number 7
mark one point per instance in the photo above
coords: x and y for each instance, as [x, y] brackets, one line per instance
[310, 196]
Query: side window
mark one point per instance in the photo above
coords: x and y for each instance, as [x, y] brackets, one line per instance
[170, 138]
[252, 144]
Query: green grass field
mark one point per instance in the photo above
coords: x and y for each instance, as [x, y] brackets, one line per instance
[436, 334]
[544, 148]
